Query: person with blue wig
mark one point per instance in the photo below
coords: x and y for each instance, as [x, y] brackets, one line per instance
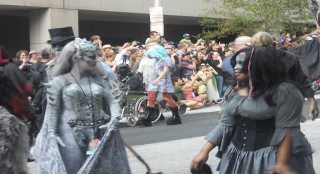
[159, 81]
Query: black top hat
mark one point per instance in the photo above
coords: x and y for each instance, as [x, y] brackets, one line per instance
[61, 35]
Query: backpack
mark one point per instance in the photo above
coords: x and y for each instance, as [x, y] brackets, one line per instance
[123, 69]
[135, 82]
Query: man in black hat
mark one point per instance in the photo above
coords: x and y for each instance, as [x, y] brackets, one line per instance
[59, 37]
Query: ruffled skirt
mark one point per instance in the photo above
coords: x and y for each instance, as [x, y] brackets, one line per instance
[235, 161]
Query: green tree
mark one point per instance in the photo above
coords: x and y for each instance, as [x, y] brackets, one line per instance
[246, 17]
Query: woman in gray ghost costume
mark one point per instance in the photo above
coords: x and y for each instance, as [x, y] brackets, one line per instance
[77, 115]
[259, 130]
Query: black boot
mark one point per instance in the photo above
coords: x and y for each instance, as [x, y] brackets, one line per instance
[175, 117]
[147, 120]
[161, 118]
[183, 109]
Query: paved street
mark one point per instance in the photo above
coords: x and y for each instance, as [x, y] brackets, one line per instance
[174, 157]
[169, 149]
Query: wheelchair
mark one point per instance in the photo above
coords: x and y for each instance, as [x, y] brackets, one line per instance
[134, 104]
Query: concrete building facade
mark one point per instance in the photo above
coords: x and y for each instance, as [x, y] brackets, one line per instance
[25, 23]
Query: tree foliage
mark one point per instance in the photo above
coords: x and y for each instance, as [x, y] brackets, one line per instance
[245, 17]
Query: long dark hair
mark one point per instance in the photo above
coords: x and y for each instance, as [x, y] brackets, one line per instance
[265, 69]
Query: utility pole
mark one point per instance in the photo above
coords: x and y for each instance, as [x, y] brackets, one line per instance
[156, 18]
[157, 3]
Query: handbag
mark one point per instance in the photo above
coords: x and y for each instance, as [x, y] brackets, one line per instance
[203, 169]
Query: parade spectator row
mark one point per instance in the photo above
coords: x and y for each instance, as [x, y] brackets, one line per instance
[201, 72]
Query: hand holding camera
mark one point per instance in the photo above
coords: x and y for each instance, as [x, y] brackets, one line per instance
[222, 45]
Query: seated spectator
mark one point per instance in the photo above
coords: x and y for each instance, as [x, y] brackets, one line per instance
[213, 73]
[215, 61]
[203, 79]
[189, 87]
[178, 85]
[206, 74]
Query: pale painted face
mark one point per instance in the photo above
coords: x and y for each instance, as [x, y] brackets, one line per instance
[238, 69]
[88, 61]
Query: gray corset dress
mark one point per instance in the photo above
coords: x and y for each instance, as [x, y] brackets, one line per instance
[71, 121]
[83, 113]
[84, 107]
[250, 131]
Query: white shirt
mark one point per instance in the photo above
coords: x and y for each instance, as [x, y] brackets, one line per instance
[119, 57]
[147, 68]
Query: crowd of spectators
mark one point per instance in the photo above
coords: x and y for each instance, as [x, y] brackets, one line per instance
[201, 71]
[197, 72]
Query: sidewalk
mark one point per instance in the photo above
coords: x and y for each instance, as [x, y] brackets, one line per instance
[211, 108]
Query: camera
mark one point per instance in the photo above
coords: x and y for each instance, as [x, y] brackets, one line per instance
[193, 53]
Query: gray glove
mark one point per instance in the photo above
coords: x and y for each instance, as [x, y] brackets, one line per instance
[112, 125]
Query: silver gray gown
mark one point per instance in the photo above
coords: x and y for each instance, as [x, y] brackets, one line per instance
[250, 132]
[72, 120]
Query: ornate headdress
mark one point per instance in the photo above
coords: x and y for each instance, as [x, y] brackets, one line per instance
[82, 45]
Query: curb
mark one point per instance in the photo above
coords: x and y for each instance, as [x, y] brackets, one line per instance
[212, 108]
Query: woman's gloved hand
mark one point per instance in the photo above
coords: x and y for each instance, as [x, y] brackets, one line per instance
[111, 125]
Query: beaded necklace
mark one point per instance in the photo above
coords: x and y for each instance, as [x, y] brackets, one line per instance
[90, 107]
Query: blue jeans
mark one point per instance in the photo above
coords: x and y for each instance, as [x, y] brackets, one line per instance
[219, 84]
